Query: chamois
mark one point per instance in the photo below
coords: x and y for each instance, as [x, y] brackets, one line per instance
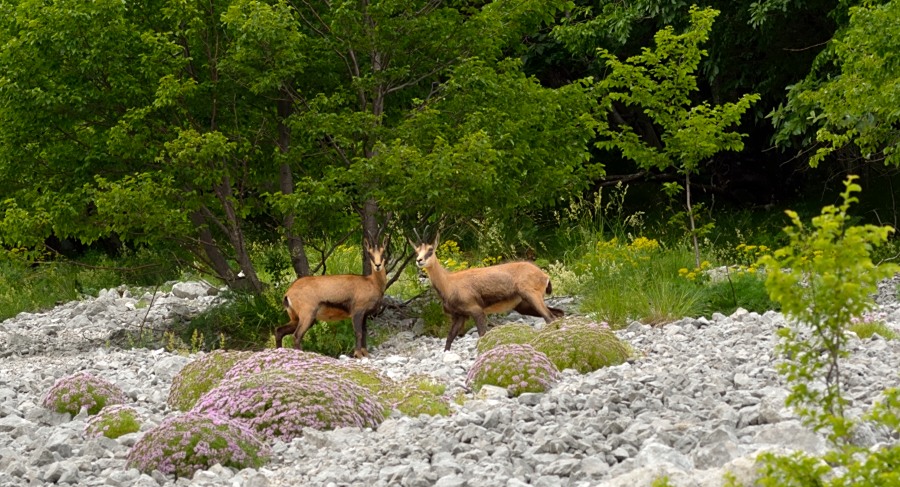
[476, 292]
[334, 298]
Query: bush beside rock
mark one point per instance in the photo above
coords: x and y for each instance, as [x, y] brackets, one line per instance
[518, 368]
[82, 390]
[186, 443]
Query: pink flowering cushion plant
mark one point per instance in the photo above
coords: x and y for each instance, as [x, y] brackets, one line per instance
[506, 334]
[279, 403]
[584, 347]
[82, 390]
[199, 376]
[309, 363]
[518, 368]
[278, 359]
[186, 443]
[113, 421]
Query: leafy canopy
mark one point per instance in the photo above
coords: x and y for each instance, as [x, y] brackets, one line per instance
[661, 82]
[858, 104]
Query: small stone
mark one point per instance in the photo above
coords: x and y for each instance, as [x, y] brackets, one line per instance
[450, 357]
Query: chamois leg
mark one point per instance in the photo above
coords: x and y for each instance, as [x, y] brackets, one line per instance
[281, 331]
[456, 325]
[480, 323]
[359, 328]
[535, 306]
[287, 329]
[301, 330]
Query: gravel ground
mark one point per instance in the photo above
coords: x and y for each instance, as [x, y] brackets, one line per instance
[701, 398]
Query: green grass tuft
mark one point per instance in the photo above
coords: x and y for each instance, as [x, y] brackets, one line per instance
[866, 330]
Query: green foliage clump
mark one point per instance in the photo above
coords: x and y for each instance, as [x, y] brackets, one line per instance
[512, 333]
[583, 346]
[332, 338]
[24, 287]
[82, 390]
[824, 279]
[866, 330]
[418, 395]
[435, 321]
[518, 368]
[738, 290]
[186, 443]
[855, 106]
[871, 323]
[244, 319]
[113, 422]
[199, 376]
[637, 280]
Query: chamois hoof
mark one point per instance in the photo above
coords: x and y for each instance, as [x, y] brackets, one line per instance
[360, 353]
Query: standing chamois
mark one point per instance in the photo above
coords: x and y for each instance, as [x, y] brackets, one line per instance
[476, 292]
[335, 298]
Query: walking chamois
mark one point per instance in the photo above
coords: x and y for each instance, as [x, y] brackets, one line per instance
[473, 293]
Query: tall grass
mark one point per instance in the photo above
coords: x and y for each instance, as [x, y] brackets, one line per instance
[637, 281]
[740, 289]
[42, 286]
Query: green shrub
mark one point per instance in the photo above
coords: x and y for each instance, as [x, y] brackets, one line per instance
[512, 333]
[24, 287]
[82, 390]
[435, 322]
[739, 290]
[638, 280]
[583, 346]
[186, 443]
[871, 323]
[565, 280]
[518, 368]
[199, 376]
[866, 330]
[418, 395]
[824, 279]
[245, 320]
[668, 300]
[334, 338]
[113, 422]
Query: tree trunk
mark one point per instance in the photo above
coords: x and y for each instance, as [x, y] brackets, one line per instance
[295, 245]
[690, 212]
[370, 229]
[214, 257]
[236, 236]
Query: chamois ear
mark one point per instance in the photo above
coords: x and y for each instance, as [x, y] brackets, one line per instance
[437, 239]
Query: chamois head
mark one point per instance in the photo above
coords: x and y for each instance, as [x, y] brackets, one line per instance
[376, 256]
[425, 255]
[376, 249]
